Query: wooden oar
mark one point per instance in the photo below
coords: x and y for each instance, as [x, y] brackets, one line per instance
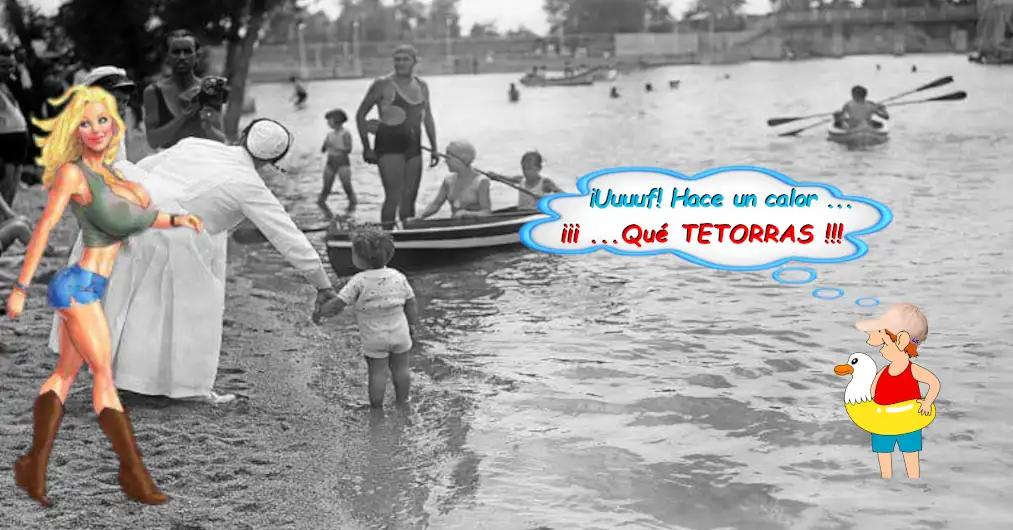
[248, 234]
[373, 125]
[942, 81]
[497, 178]
[954, 96]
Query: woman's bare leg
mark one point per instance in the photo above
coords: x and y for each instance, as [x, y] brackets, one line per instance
[88, 330]
[413, 179]
[392, 176]
[66, 369]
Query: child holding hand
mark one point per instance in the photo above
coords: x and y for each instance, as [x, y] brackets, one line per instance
[385, 309]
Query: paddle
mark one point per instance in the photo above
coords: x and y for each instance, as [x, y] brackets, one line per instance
[942, 81]
[954, 96]
[491, 176]
[251, 235]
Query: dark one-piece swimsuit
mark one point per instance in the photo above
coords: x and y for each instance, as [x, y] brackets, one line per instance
[191, 129]
[405, 138]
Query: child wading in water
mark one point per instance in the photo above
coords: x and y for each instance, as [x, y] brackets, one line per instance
[300, 95]
[337, 145]
[533, 181]
[385, 309]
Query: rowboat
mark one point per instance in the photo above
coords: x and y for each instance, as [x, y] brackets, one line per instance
[581, 79]
[863, 136]
[430, 243]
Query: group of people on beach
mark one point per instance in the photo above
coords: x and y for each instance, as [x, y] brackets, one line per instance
[143, 304]
[402, 100]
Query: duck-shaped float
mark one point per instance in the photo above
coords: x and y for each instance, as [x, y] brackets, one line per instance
[888, 420]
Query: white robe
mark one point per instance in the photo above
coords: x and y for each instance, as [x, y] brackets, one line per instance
[166, 295]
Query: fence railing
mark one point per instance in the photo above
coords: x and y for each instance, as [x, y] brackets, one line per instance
[898, 14]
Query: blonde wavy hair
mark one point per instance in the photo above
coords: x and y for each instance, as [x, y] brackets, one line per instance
[60, 144]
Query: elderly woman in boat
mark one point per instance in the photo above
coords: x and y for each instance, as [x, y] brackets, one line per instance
[465, 189]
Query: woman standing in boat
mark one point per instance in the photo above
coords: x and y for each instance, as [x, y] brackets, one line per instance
[77, 154]
[403, 101]
[170, 110]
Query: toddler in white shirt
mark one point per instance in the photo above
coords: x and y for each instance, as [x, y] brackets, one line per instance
[384, 305]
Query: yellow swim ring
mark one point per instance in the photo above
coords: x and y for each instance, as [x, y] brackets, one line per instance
[889, 420]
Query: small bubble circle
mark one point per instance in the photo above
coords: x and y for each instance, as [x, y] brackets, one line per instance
[828, 293]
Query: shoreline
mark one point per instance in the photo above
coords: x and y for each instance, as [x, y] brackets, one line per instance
[268, 460]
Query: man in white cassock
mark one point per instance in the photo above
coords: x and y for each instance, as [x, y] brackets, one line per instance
[166, 296]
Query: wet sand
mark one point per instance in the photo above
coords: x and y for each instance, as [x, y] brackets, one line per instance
[265, 461]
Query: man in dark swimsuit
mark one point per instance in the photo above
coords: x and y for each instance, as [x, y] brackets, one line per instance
[403, 102]
[166, 118]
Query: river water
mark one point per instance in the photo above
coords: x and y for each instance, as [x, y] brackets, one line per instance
[601, 392]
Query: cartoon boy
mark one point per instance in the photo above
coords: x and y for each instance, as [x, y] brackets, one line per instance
[900, 331]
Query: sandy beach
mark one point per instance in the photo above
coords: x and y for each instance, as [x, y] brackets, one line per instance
[263, 461]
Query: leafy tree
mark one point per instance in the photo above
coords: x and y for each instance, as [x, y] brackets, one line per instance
[607, 16]
[716, 9]
[481, 30]
[113, 32]
[444, 19]
[521, 32]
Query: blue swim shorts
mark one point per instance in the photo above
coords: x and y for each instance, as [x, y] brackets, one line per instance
[77, 284]
[908, 443]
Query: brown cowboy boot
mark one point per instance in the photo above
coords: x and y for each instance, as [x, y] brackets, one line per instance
[134, 477]
[30, 469]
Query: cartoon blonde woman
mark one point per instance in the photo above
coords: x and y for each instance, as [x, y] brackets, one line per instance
[77, 154]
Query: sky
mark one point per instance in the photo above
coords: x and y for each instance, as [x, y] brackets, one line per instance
[508, 14]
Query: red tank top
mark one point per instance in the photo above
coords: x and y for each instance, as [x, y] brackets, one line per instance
[897, 388]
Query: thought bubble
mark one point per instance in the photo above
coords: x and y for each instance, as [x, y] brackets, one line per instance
[738, 218]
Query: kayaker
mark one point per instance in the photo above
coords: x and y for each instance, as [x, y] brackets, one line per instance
[859, 111]
[465, 189]
[532, 180]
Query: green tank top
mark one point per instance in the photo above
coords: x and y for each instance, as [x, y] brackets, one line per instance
[109, 219]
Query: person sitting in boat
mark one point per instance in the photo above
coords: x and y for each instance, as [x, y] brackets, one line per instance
[531, 180]
[465, 189]
[859, 111]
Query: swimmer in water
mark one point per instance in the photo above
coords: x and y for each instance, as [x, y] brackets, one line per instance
[300, 95]
[614, 93]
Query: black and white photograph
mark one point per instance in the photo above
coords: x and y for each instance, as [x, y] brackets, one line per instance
[485, 264]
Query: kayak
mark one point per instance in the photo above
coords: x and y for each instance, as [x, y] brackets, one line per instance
[430, 243]
[859, 136]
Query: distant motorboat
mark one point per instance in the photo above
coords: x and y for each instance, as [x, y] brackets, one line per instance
[536, 80]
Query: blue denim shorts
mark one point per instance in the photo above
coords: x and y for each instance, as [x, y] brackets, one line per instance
[908, 443]
[77, 284]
